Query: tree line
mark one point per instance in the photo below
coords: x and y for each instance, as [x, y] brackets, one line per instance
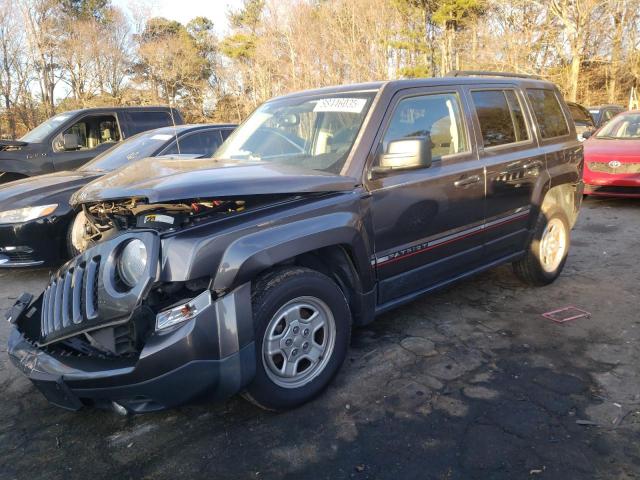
[57, 55]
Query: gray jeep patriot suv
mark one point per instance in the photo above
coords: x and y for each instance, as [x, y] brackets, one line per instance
[246, 272]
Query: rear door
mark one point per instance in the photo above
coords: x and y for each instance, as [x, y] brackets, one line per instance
[513, 163]
[427, 220]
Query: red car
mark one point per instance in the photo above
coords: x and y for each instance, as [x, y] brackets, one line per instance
[612, 158]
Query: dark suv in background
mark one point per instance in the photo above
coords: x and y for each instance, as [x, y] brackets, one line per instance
[70, 139]
[324, 209]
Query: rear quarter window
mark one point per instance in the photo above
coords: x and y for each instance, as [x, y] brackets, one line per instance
[548, 113]
[143, 121]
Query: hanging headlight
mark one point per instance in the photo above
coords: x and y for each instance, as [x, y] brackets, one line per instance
[132, 262]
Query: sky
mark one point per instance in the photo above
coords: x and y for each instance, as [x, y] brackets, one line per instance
[185, 10]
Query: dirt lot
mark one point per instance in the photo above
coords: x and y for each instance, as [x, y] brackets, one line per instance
[471, 382]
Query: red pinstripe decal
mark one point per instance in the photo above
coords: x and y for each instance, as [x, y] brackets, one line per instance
[426, 249]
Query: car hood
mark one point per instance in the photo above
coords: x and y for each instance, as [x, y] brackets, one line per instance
[612, 148]
[42, 188]
[162, 180]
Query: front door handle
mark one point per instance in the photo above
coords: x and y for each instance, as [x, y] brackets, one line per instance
[464, 182]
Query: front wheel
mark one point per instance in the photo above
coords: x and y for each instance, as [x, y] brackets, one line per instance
[547, 253]
[78, 237]
[302, 330]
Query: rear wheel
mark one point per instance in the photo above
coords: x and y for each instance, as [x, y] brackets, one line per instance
[548, 250]
[302, 331]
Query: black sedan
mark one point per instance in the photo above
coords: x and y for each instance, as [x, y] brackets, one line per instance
[36, 220]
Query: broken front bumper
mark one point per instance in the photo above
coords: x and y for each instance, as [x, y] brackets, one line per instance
[209, 356]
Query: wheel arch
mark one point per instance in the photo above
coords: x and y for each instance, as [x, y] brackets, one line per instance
[565, 196]
[332, 244]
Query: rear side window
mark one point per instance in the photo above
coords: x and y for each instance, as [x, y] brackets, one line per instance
[548, 113]
[500, 116]
[226, 132]
[580, 116]
[143, 121]
[436, 116]
[203, 143]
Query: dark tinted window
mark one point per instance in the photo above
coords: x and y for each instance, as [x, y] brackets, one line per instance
[548, 113]
[435, 116]
[143, 121]
[200, 143]
[580, 116]
[500, 117]
[226, 132]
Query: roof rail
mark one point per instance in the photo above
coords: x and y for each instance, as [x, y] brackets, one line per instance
[483, 73]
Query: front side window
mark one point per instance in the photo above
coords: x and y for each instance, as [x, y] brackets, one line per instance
[312, 132]
[622, 127]
[203, 143]
[548, 113]
[500, 116]
[437, 117]
[87, 134]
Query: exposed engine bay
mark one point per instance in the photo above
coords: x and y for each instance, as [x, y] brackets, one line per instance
[102, 220]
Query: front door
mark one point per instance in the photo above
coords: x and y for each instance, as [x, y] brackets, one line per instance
[427, 220]
[91, 135]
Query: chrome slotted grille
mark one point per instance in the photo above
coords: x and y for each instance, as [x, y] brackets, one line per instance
[70, 299]
[621, 168]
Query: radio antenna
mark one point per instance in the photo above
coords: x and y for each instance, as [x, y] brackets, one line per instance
[173, 120]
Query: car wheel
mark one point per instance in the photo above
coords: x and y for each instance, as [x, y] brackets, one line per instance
[77, 241]
[302, 331]
[547, 252]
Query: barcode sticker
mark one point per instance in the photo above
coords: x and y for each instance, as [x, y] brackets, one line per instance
[345, 105]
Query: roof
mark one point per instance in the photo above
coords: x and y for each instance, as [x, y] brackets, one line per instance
[171, 129]
[120, 108]
[418, 82]
[598, 107]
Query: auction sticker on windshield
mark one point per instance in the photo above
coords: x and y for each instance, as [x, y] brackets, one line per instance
[345, 105]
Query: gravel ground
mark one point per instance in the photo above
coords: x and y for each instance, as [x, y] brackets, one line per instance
[471, 382]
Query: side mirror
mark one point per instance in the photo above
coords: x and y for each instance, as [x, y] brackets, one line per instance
[587, 133]
[405, 154]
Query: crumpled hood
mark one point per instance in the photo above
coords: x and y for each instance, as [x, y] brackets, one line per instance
[162, 180]
[38, 190]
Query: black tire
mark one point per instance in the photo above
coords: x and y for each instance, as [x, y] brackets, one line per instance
[529, 269]
[270, 293]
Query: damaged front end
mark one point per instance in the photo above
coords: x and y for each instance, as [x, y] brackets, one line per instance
[106, 332]
[105, 219]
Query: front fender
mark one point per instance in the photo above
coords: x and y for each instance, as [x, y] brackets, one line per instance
[23, 167]
[249, 255]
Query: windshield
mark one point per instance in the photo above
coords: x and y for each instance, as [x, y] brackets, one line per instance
[135, 148]
[41, 132]
[623, 127]
[312, 132]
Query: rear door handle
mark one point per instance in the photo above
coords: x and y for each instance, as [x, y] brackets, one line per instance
[464, 182]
